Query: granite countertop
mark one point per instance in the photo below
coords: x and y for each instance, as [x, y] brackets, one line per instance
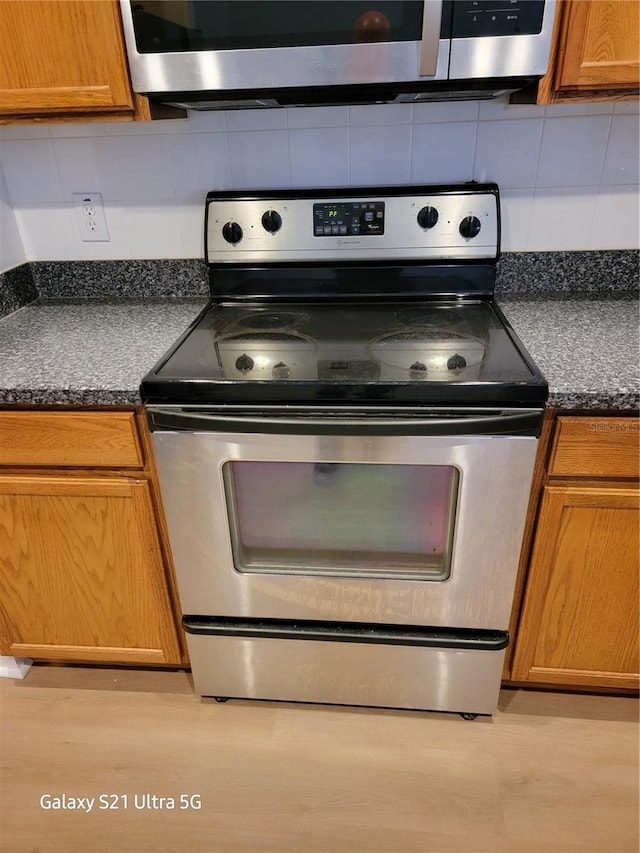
[87, 352]
[586, 345]
[95, 353]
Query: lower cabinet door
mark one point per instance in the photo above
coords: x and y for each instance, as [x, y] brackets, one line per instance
[81, 571]
[579, 625]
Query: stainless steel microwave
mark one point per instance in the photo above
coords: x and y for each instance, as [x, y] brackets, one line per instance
[211, 54]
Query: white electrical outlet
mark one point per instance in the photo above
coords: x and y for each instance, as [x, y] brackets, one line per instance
[91, 218]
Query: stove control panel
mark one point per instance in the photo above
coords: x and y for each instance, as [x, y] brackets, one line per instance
[458, 222]
[339, 218]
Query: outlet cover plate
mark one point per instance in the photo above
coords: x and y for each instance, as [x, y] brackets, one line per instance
[91, 219]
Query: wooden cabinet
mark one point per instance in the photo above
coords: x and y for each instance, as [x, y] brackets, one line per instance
[65, 58]
[579, 621]
[596, 52]
[78, 440]
[84, 574]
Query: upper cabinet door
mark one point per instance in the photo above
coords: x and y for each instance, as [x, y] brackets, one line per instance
[62, 56]
[602, 45]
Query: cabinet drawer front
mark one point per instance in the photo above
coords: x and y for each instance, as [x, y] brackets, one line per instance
[595, 447]
[85, 439]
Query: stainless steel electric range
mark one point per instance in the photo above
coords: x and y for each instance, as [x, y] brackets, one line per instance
[345, 439]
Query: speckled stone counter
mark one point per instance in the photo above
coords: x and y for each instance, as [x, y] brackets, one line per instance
[585, 345]
[87, 352]
[95, 353]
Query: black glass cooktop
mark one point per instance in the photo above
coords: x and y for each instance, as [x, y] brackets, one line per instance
[453, 351]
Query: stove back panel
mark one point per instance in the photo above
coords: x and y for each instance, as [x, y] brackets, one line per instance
[403, 224]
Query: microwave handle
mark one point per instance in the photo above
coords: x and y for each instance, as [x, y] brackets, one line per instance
[431, 23]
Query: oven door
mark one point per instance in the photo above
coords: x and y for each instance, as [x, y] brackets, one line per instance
[414, 518]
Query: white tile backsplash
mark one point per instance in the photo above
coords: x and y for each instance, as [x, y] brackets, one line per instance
[49, 232]
[257, 119]
[144, 170]
[572, 151]
[580, 108]
[515, 209]
[259, 159]
[66, 129]
[443, 111]
[31, 171]
[150, 128]
[200, 163]
[119, 245]
[198, 121]
[568, 175]
[507, 152]
[380, 155]
[442, 153]
[12, 252]
[369, 115]
[87, 165]
[616, 221]
[318, 117]
[154, 230]
[627, 107]
[499, 109]
[191, 219]
[319, 157]
[623, 152]
[24, 131]
[560, 217]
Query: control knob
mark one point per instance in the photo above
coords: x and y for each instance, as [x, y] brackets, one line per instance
[427, 217]
[456, 362]
[470, 227]
[244, 363]
[271, 221]
[418, 370]
[281, 371]
[232, 232]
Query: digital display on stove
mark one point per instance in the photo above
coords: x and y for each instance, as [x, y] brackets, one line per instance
[348, 219]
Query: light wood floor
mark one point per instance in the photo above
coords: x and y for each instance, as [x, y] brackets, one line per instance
[549, 773]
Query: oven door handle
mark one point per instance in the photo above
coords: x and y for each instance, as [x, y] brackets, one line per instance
[350, 632]
[430, 42]
[526, 422]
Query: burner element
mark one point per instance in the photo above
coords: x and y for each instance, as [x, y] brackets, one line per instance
[416, 316]
[424, 356]
[270, 320]
[436, 323]
[427, 318]
[264, 338]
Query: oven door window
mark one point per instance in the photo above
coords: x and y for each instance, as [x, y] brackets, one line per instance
[354, 520]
